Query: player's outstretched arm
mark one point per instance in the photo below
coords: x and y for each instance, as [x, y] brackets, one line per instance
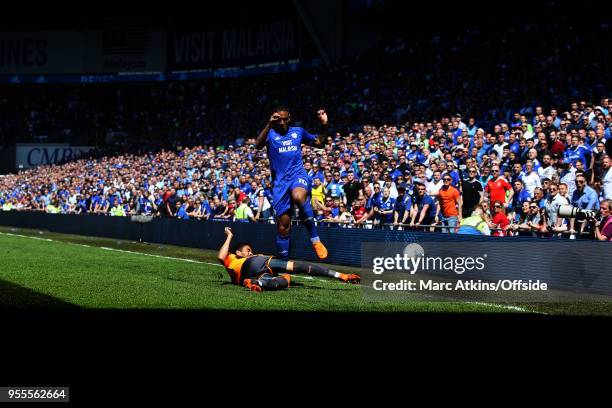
[322, 136]
[261, 140]
[224, 251]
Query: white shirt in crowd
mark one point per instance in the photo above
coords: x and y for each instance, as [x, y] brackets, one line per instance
[436, 154]
[266, 203]
[552, 206]
[547, 172]
[499, 148]
[531, 181]
[570, 179]
[392, 190]
[433, 188]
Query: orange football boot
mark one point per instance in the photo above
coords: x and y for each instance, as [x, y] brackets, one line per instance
[252, 285]
[320, 249]
[350, 278]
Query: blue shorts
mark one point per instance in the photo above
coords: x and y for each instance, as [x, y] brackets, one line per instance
[281, 193]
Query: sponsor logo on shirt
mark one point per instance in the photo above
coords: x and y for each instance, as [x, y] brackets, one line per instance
[287, 147]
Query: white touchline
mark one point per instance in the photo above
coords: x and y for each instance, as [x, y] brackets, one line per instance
[516, 308]
[25, 236]
[109, 249]
[497, 305]
[156, 256]
[509, 307]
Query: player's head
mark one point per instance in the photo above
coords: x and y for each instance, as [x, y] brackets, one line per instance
[284, 118]
[243, 250]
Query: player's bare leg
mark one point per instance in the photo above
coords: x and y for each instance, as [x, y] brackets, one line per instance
[301, 198]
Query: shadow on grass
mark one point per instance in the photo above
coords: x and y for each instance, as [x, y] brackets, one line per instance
[13, 296]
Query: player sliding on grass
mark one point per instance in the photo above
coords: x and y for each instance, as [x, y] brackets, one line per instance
[263, 272]
[291, 182]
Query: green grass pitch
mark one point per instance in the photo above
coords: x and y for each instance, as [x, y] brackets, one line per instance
[48, 270]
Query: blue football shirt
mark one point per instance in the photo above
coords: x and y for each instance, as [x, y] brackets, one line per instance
[285, 153]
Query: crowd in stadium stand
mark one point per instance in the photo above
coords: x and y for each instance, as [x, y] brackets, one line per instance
[398, 153]
[514, 177]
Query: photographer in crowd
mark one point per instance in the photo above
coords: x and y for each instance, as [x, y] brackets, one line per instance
[553, 223]
[585, 198]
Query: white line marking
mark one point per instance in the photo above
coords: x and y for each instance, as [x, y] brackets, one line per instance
[156, 256]
[109, 249]
[496, 305]
[26, 236]
[509, 307]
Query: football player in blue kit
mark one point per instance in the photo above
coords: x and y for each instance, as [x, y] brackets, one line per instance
[291, 183]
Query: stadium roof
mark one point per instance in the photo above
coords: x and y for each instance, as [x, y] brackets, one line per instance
[67, 16]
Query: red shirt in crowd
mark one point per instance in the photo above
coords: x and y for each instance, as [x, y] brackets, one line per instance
[231, 209]
[359, 213]
[501, 221]
[239, 197]
[557, 148]
[497, 190]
